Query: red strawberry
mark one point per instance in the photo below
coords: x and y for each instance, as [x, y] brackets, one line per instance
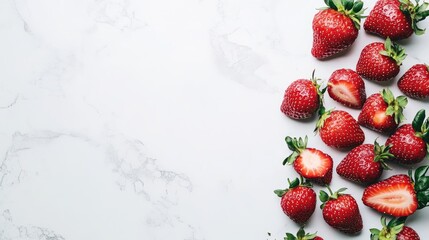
[409, 142]
[298, 201]
[336, 27]
[380, 61]
[415, 82]
[310, 163]
[301, 235]
[302, 98]
[399, 195]
[394, 230]
[382, 112]
[339, 129]
[341, 211]
[396, 19]
[347, 87]
[364, 163]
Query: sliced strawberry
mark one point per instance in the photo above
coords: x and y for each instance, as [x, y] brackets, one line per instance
[347, 87]
[394, 196]
[310, 163]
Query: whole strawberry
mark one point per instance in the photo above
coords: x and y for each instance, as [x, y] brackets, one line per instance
[409, 142]
[415, 82]
[396, 19]
[336, 27]
[399, 195]
[302, 98]
[339, 129]
[394, 230]
[380, 61]
[301, 235]
[298, 201]
[382, 112]
[310, 163]
[341, 211]
[365, 163]
[347, 87]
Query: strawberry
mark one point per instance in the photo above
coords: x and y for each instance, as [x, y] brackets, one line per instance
[310, 163]
[380, 61]
[382, 112]
[394, 230]
[336, 27]
[399, 195]
[347, 87]
[301, 235]
[415, 82]
[341, 211]
[410, 141]
[302, 98]
[339, 129]
[298, 201]
[365, 163]
[396, 19]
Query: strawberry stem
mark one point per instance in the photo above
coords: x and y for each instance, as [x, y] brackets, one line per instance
[395, 105]
[394, 51]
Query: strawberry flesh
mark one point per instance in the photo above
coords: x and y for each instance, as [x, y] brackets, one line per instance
[347, 87]
[394, 196]
[314, 165]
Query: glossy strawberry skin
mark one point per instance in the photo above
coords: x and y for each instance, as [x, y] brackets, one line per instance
[359, 165]
[387, 20]
[415, 82]
[301, 100]
[333, 32]
[399, 182]
[343, 214]
[341, 130]
[353, 83]
[406, 146]
[299, 204]
[374, 66]
[321, 174]
[407, 233]
[373, 115]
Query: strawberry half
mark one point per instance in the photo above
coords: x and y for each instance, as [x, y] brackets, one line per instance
[410, 141]
[310, 163]
[336, 27]
[394, 230]
[415, 82]
[301, 235]
[347, 87]
[382, 112]
[341, 211]
[380, 61]
[339, 129]
[365, 163]
[399, 195]
[396, 19]
[298, 201]
[303, 98]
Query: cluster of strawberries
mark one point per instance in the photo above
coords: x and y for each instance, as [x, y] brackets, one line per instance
[335, 28]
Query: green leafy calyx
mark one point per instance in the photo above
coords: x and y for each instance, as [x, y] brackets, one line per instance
[388, 231]
[382, 154]
[325, 197]
[421, 185]
[421, 125]
[396, 106]
[300, 235]
[352, 9]
[296, 145]
[417, 12]
[394, 51]
[301, 182]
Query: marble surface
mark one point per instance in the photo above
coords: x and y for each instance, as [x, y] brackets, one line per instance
[157, 119]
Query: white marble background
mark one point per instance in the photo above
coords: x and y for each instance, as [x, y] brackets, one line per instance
[158, 119]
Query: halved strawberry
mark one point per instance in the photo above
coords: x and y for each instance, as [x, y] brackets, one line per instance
[310, 163]
[347, 87]
[399, 195]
